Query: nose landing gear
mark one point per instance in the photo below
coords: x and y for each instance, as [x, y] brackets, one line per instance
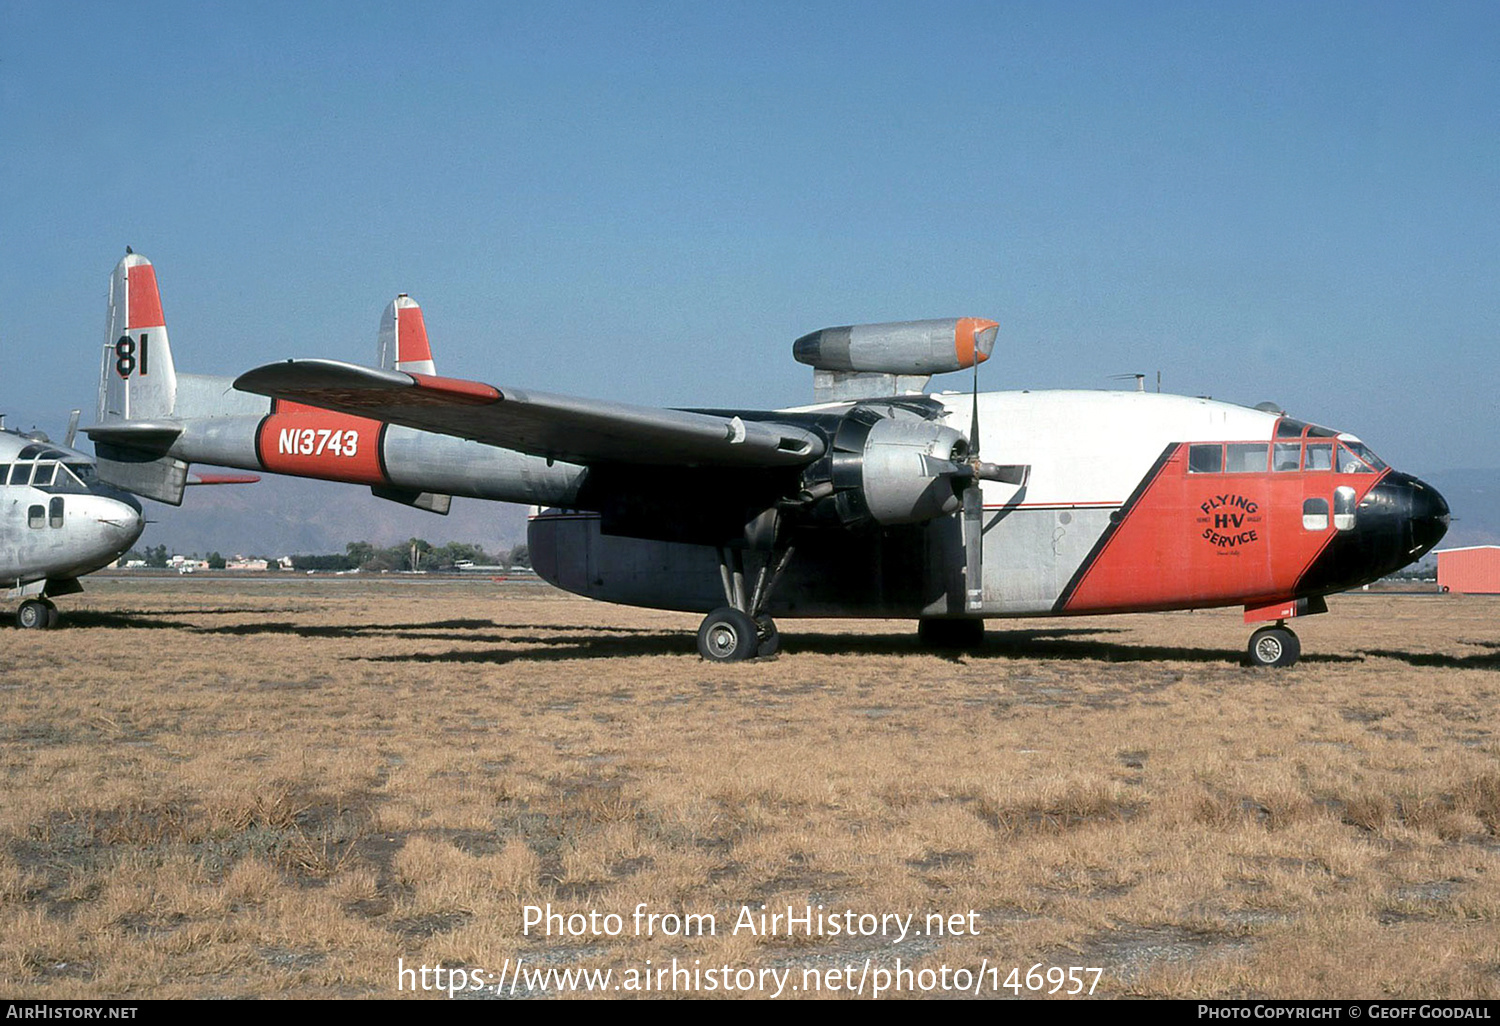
[1274, 646]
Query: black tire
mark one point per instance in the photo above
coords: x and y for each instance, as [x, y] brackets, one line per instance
[33, 616]
[53, 616]
[1274, 646]
[951, 635]
[727, 636]
[768, 638]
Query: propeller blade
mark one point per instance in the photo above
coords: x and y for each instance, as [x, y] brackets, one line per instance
[72, 428]
[974, 420]
[973, 549]
[1008, 473]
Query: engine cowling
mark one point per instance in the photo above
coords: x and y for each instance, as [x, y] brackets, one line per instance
[901, 347]
[885, 467]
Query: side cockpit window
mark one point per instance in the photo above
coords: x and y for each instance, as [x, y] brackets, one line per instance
[1205, 459]
[1318, 456]
[1246, 458]
[20, 473]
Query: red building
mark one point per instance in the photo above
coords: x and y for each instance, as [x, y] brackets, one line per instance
[1473, 570]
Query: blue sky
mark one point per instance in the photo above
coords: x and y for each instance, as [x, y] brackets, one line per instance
[649, 202]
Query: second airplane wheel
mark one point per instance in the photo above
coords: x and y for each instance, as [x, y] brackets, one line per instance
[727, 636]
[1274, 646]
[768, 638]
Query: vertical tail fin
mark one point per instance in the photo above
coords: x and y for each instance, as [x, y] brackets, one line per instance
[137, 380]
[137, 389]
[403, 347]
[403, 338]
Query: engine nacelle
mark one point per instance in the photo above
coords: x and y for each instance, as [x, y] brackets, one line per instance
[885, 467]
[902, 347]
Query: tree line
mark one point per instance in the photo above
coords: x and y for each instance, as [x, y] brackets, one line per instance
[414, 554]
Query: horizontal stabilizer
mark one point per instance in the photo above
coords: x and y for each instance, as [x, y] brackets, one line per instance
[585, 431]
[147, 435]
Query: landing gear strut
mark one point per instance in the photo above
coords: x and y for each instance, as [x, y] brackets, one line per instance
[1274, 646]
[37, 614]
[740, 630]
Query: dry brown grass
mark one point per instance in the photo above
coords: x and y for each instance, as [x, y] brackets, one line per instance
[255, 789]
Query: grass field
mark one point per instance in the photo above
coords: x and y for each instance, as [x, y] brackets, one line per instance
[222, 789]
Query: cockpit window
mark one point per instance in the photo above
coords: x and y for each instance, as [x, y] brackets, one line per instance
[84, 472]
[1349, 463]
[1205, 459]
[1247, 458]
[1318, 431]
[1318, 456]
[20, 473]
[1286, 456]
[1364, 452]
[29, 452]
[1286, 427]
[67, 474]
[43, 476]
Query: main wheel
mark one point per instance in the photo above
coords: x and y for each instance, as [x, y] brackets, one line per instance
[34, 615]
[1274, 646]
[768, 638]
[728, 636]
[952, 635]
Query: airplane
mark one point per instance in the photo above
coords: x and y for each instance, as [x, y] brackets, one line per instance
[871, 502]
[57, 523]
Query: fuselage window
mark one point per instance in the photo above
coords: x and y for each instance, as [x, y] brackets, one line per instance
[1247, 458]
[1286, 456]
[1205, 459]
[1315, 514]
[55, 511]
[1318, 456]
[36, 516]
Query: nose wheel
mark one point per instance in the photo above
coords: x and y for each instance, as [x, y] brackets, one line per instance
[1274, 646]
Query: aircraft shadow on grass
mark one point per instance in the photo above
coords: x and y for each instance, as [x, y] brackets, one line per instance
[1054, 643]
[1485, 661]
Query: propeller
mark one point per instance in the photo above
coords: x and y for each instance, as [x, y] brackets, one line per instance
[973, 506]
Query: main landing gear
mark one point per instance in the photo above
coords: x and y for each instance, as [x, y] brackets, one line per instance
[740, 630]
[37, 614]
[1274, 646]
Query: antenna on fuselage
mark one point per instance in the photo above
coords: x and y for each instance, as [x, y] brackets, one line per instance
[1140, 380]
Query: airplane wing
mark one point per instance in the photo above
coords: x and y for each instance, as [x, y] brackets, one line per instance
[574, 430]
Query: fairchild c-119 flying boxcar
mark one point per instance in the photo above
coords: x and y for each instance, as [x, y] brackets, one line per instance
[873, 502]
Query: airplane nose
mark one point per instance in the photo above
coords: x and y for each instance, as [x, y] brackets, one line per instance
[122, 523]
[1429, 517]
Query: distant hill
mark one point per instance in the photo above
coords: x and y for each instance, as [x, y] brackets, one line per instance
[289, 516]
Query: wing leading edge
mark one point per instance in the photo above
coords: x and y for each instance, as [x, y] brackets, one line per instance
[574, 430]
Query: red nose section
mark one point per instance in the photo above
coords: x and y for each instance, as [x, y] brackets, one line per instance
[144, 305]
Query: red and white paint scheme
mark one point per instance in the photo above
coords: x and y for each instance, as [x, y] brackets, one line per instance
[874, 502]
